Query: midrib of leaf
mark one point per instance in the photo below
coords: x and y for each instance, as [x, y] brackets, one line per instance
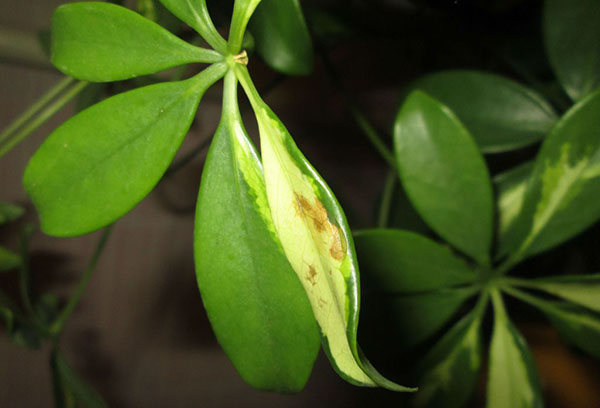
[323, 264]
[343, 351]
[194, 88]
[114, 152]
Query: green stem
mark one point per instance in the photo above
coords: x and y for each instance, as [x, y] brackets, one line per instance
[373, 136]
[386, 199]
[42, 117]
[242, 11]
[527, 298]
[57, 327]
[498, 303]
[183, 161]
[481, 305]
[206, 27]
[242, 74]
[36, 107]
[360, 119]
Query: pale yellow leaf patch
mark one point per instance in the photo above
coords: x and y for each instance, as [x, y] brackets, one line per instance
[314, 245]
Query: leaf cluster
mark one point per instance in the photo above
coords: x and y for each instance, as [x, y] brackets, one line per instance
[447, 122]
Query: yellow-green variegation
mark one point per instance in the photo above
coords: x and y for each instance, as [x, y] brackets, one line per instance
[317, 242]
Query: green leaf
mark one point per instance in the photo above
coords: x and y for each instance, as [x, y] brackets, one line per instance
[450, 370]
[572, 35]
[258, 308]
[398, 261]
[513, 380]
[195, 14]
[562, 195]
[74, 385]
[419, 316]
[282, 37]
[501, 114]
[510, 190]
[8, 260]
[444, 174]
[316, 240]
[9, 212]
[577, 325]
[103, 42]
[581, 289]
[103, 161]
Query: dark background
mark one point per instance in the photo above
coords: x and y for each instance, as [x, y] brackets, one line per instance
[140, 335]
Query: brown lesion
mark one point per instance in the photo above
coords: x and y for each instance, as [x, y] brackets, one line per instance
[317, 213]
[311, 276]
[337, 250]
[322, 302]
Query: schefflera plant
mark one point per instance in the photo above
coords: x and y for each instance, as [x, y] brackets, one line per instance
[275, 260]
[488, 225]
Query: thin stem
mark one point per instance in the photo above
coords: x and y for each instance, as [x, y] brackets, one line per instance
[373, 136]
[36, 107]
[360, 119]
[242, 11]
[186, 159]
[42, 117]
[481, 305]
[386, 199]
[527, 298]
[242, 74]
[57, 327]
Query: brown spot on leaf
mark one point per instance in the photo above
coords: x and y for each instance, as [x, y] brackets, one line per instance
[311, 276]
[337, 249]
[317, 213]
[322, 302]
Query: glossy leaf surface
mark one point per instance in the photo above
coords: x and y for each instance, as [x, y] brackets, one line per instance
[316, 240]
[562, 196]
[99, 164]
[513, 380]
[501, 114]
[257, 306]
[195, 14]
[8, 260]
[452, 367]
[282, 37]
[397, 261]
[419, 316]
[572, 35]
[444, 174]
[510, 189]
[103, 42]
[9, 212]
